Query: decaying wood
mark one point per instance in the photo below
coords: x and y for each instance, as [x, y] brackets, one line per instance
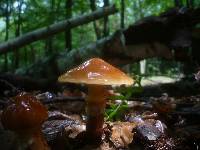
[15, 83]
[139, 41]
[111, 49]
[150, 37]
[171, 30]
[58, 63]
[54, 29]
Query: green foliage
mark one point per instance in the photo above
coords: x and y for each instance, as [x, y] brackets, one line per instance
[35, 14]
[116, 110]
[196, 3]
[156, 66]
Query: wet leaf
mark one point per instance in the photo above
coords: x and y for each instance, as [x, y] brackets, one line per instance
[122, 134]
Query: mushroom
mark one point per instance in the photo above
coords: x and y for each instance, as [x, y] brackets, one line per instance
[25, 115]
[96, 74]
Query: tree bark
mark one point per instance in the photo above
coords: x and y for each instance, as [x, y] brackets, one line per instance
[7, 34]
[142, 62]
[49, 40]
[51, 19]
[17, 33]
[178, 3]
[68, 35]
[122, 14]
[65, 60]
[106, 22]
[32, 54]
[25, 82]
[25, 56]
[96, 28]
[111, 49]
[189, 3]
[48, 46]
[54, 29]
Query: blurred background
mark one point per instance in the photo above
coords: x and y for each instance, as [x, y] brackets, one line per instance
[18, 17]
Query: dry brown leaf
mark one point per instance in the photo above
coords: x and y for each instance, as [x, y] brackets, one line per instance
[122, 134]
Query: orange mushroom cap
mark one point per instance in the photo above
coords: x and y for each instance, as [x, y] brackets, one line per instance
[24, 112]
[96, 71]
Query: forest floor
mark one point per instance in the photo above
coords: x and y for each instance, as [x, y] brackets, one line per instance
[154, 80]
[145, 122]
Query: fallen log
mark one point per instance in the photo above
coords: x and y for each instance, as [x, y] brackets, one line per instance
[13, 84]
[111, 49]
[59, 62]
[127, 46]
[54, 29]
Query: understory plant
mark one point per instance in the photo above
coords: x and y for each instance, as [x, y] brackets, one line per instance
[116, 110]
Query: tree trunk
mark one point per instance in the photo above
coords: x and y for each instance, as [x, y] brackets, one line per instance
[54, 29]
[142, 62]
[5, 68]
[178, 3]
[32, 53]
[68, 35]
[17, 33]
[48, 46]
[122, 14]
[106, 23]
[189, 3]
[25, 56]
[49, 41]
[96, 28]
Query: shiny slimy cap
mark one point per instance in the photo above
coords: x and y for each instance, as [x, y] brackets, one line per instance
[96, 71]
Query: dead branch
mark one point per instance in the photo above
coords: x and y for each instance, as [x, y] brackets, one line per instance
[54, 29]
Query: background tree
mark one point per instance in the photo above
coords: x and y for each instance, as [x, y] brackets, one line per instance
[19, 16]
[18, 22]
[96, 28]
[68, 35]
[106, 22]
[122, 14]
[7, 20]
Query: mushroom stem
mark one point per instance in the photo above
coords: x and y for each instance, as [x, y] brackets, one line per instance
[96, 103]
